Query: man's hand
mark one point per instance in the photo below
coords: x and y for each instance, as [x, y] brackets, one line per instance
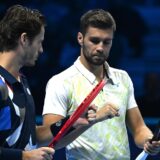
[152, 148]
[43, 153]
[87, 118]
[94, 115]
[107, 112]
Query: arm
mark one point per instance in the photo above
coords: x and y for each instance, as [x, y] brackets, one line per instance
[141, 133]
[50, 119]
[83, 123]
[45, 133]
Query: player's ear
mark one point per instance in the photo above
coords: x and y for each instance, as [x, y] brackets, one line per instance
[80, 38]
[24, 39]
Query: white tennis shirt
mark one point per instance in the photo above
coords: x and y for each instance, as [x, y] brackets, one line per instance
[105, 140]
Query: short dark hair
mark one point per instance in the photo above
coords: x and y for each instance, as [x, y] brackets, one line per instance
[17, 20]
[97, 18]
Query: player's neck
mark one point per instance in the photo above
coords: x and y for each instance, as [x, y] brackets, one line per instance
[8, 62]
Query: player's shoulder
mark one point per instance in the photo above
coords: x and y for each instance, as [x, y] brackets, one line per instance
[117, 71]
[65, 75]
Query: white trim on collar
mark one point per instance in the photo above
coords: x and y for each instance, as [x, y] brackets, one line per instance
[90, 76]
[84, 71]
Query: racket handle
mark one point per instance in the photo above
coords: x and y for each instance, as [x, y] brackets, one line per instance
[142, 156]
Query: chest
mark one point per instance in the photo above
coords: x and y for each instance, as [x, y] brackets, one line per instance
[116, 94]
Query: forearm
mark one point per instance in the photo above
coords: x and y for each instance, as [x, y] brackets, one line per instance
[70, 137]
[142, 135]
[83, 123]
[43, 134]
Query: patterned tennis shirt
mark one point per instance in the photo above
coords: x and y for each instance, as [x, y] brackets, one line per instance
[107, 140]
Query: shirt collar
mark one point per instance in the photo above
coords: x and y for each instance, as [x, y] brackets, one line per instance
[84, 71]
[110, 73]
[90, 76]
[7, 76]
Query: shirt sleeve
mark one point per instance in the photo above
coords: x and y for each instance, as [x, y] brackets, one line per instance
[55, 99]
[131, 97]
[7, 153]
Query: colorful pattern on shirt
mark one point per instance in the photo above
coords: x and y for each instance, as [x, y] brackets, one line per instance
[106, 140]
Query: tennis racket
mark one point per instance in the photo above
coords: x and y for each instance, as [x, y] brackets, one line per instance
[78, 112]
[143, 155]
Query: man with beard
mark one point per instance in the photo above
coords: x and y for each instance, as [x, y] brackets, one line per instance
[117, 108]
[21, 35]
